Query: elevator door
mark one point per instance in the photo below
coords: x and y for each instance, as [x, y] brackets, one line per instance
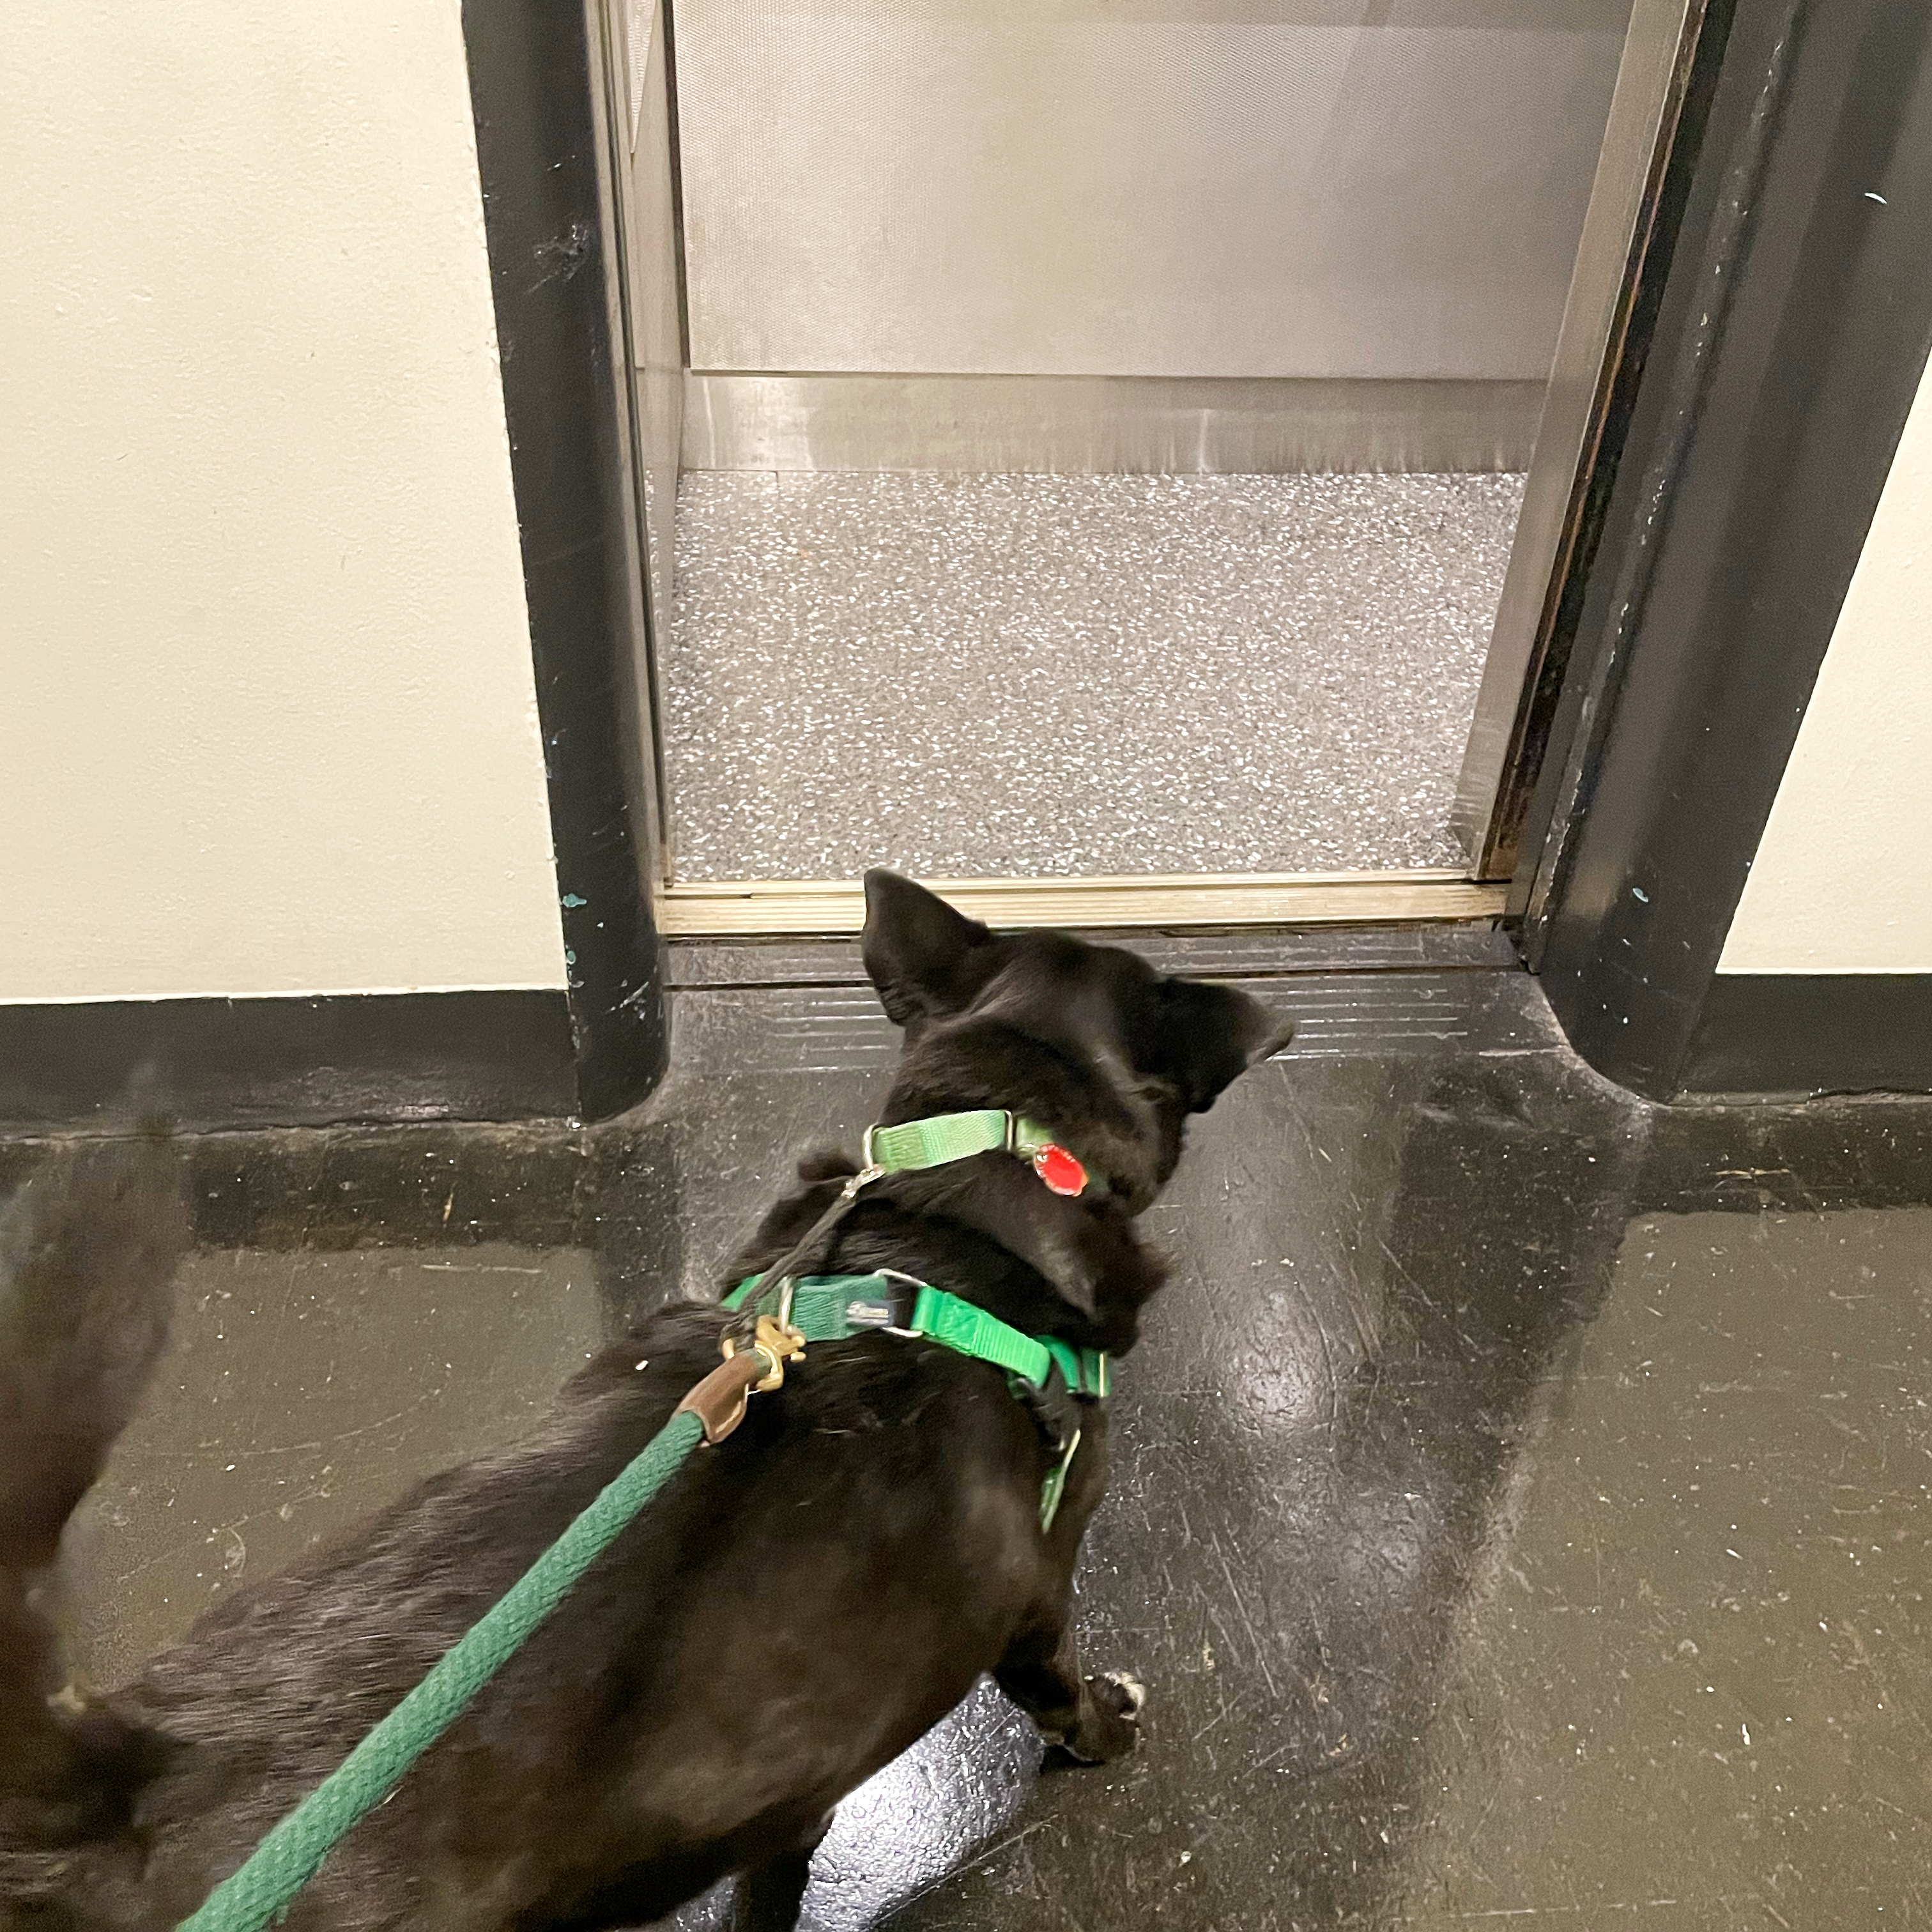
[1085, 441]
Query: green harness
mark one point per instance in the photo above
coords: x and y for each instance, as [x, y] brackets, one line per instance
[1050, 1375]
[1040, 1369]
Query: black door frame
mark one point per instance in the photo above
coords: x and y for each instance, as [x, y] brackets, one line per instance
[540, 91]
[1496, 830]
[1777, 320]
[1778, 316]
[1789, 322]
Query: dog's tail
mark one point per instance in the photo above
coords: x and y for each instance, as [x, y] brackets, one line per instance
[88, 1249]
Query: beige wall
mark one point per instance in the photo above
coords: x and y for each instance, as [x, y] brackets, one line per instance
[1843, 879]
[267, 714]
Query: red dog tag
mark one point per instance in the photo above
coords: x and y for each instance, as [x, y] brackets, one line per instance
[1059, 1170]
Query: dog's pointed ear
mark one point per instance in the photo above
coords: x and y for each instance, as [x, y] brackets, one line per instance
[925, 959]
[1211, 1035]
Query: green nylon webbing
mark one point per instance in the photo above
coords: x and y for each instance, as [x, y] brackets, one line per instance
[1085, 1371]
[285, 1861]
[959, 1325]
[941, 1139]
[820, 1303]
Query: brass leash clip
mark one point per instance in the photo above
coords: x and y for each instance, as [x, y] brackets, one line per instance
[778, 1342]
[757, 1365]
[720, 1399]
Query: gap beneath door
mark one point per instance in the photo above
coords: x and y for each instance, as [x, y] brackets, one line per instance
[750, 908]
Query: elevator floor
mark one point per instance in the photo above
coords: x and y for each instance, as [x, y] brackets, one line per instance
[1519, 1512]
[1021, 675]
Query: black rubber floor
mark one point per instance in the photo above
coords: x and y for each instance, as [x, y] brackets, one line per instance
[1521, 1506]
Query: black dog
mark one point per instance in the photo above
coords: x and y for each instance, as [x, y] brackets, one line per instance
[793, 1611]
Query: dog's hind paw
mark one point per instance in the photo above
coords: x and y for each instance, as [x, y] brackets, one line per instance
[1131, 1689]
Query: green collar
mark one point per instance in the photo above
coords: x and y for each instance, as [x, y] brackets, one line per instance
[940, 1139]
[834, 1307]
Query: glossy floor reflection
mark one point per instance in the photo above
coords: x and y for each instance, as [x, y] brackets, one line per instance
[1522, 1496]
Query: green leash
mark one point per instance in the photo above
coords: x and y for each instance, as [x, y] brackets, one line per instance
[290, 1855]
[293, 1851]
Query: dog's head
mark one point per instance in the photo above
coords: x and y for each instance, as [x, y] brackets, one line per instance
[1089, 1040]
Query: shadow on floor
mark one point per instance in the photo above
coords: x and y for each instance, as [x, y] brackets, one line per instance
[1520, 1504]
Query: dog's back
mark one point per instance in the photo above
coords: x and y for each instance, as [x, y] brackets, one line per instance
[88, 1250]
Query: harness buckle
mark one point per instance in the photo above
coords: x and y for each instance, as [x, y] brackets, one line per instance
[1054, 1486]
[775, 1342]
[889, 1275]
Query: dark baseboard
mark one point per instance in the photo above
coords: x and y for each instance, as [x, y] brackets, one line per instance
[292, 1062]
[1814, 1033]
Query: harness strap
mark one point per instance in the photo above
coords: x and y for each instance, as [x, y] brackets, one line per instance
[1052, 1378]
[909, 1147]
[833, 1307]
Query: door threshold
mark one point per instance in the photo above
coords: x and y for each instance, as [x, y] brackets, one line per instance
[751, 907]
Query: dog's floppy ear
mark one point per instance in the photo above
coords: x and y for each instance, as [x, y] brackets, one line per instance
[925, 959]
[1210, 1035]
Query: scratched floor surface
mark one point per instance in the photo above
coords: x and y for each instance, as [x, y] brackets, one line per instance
[1522, 1502]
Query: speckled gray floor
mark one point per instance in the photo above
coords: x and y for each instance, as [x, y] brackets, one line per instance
[1009, 675]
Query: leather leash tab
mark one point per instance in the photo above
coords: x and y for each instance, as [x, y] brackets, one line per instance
[719, 1400]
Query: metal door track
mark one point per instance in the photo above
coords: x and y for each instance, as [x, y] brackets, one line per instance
[748, 906]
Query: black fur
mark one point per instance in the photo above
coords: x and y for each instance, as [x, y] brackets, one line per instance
[796, 1607]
